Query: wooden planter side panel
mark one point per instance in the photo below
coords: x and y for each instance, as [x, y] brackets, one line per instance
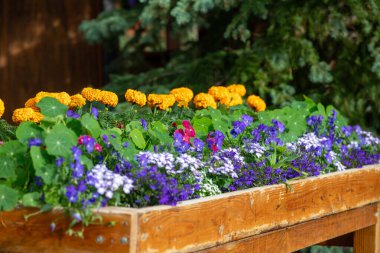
[302, 235]
[201, 224]
[35, 235]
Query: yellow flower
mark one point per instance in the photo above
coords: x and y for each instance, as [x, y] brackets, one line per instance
[62, 97]
[91, 94]
[109, 98]
[2, 108]
[255, 102]
[26, 114]
[162, 101]
[31, 103]
[77, 100]
[134, 96]
[235, 99]
[204, 100]
[182, 96]
[237, 88]
[220, 94]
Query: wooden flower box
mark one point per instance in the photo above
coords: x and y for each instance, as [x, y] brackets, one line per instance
[266, 219]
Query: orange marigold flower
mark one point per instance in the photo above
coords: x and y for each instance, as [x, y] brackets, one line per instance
[220, 94]
[108, 98]
[237, 88]
[162, 101]
[77, 100]
[255, 102]
[91, 94]
[235, 99]
[26, 114]
[31, 103]
[204, 100]
[136, 97]
[182, 96]
[62, 97]
[2, 108]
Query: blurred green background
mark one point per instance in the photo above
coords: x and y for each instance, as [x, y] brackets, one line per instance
[281, 49]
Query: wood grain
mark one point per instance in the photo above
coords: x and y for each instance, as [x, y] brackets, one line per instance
[204, 223]
[299, 236]
[367, 240]
[42, 49]
[35, 235]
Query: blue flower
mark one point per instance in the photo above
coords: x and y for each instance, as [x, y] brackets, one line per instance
[71, 193]
[239, 127]
[77, 152]
[72, 114]
[247, 120]
[198, 145]
[94, 112]
[59, 161]
[278, 125]
[35, 142]
[144, 124]
[126, 144]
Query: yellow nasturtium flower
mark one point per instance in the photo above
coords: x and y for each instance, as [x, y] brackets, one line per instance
[182, 96]
[255, 102]
[162, 101]
[237, 88]
[26, 114]
[77, 100]
[204, 100]
[135, 97]
[2, 108]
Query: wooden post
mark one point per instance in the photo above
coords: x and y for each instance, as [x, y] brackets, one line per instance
[367, 240]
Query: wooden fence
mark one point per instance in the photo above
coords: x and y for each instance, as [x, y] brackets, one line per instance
[41, 49]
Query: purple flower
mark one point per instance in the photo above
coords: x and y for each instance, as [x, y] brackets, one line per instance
[89, 143]
[77, 152]
[52, 226]
[59, 161]
[77, 217]
[72, 114]
[247, 120]
[198, 145]
[278, 125]
[215, 140]
[106, 140]
[71, 193]
[126, 144]
[239, 127]
[35, 142]
[144, 124]
[94, 112]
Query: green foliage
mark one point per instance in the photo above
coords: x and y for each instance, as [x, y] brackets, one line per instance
[327, 50]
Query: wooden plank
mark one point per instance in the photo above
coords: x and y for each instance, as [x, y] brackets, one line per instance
[35, 235]
[302, 235]
[367, 240]
[42, 49]
[199, 224]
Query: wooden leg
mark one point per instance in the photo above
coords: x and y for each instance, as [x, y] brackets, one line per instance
[367, 240]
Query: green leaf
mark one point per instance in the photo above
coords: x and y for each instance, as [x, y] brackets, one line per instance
[60, 140]
[160, 131]
[202, 126]
[7, 167]
[31, 199]
[14, 149]
[91, 124]
[47, 173]
[8, 198]
[51, 107]
[27, 130]
[86, 162]
[39, 157]
[137, 138]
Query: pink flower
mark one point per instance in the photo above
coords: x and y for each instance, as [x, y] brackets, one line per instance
[81, 139]
[98, 148]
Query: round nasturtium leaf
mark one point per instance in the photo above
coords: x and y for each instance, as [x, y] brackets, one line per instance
[60, 140]
[8, 198]
[51, 107]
